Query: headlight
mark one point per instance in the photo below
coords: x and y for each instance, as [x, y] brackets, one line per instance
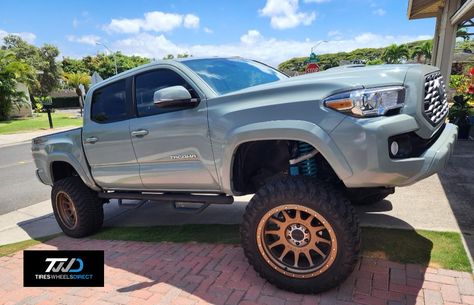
[367, 102]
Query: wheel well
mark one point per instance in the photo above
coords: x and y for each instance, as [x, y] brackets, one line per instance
[61, 170]
[257, 161]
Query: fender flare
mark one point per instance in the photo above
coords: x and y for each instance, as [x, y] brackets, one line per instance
[282, 130]
[85, 175]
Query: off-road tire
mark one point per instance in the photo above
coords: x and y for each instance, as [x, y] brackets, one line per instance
[315, 195]
[88, 207]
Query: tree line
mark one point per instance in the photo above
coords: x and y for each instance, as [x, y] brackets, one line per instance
[40, 69]
[420, 51]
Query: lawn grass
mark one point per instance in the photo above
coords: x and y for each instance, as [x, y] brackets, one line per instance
[38, 122]
[15, 247]
[427, 248]
[223, 234]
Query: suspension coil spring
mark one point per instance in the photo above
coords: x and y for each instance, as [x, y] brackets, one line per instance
[306, 167]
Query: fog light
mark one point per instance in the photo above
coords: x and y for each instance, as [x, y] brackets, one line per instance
[394, 148]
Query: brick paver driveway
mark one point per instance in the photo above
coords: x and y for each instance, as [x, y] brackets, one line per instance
[169, 273]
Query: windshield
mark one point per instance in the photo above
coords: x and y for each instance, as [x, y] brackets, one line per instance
[226, 75]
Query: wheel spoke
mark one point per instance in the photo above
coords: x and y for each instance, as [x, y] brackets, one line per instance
[273, 232]
[284, 253]
[317, 229]
[297, 258]
[298, 216]
[286, 215]
[316, 248]
[277, 221]
[309, 258]
[275, 243]
[322, 240]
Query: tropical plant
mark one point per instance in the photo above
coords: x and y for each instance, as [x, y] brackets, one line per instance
[422, 51]
[394, 54]
[74, 80]
[43, 59]
[103, 64]
[42, 102]
[463, 33]
[376, 61]
[12, 71]
[463, 105]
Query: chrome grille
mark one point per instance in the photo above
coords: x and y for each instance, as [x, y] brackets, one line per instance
[435, 102]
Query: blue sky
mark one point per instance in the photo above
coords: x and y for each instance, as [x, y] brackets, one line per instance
[267, 30]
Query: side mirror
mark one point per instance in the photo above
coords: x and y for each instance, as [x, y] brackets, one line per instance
[174, 97]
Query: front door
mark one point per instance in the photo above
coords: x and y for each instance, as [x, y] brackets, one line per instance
[106, 137]
[172, 146]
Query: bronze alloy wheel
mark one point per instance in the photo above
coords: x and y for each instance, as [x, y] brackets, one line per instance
[66, 210]
[296, 241]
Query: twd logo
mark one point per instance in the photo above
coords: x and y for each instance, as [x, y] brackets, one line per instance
[64, 265]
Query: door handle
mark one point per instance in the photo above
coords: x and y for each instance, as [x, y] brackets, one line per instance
[139, 133]
[91, 140]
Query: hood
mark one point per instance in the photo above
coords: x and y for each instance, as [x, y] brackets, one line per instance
[339, 79]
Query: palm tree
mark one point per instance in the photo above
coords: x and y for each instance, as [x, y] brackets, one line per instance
[424, 51]
[74, 80]
[462, 32]
[393, 54]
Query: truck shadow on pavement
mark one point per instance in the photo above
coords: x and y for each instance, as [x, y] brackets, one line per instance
[457, 181]
[191, 273]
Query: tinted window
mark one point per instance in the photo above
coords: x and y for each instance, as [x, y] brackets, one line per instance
[226, 75]
[147, 83]
[109, 103]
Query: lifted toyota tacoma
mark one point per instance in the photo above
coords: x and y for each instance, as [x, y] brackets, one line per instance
[205, 130]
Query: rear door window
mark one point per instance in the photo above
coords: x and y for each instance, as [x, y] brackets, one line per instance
[109, 103]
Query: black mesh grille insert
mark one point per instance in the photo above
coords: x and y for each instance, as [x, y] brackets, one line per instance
[435, 103]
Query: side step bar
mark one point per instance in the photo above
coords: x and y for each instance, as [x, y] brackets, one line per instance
[206, 199]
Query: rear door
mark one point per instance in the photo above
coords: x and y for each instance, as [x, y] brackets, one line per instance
[106, 137]
[172, 146]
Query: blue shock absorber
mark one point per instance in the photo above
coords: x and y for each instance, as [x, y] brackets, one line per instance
[306, 167]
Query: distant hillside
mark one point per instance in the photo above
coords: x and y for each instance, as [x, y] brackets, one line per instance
[369, 55]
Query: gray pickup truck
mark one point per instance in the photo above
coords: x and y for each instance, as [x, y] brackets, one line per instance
[205, 130]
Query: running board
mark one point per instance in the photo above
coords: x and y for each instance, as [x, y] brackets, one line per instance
[206, 199]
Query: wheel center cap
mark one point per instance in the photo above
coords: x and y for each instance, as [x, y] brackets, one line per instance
[297, 235]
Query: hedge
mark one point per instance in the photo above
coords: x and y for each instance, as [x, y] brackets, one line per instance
[65, 102]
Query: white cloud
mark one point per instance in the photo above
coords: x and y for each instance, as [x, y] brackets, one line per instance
[379, 12]
[75, 23]
[27, 36]
[254, 45]
[208, 30]
[251, 37]
[161, 22]
[155, 21]
[284, 14]
[316, 1]
[191, 21]
[124, 26]
[85, 39]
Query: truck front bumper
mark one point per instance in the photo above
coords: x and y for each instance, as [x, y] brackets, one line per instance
[365, 145]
